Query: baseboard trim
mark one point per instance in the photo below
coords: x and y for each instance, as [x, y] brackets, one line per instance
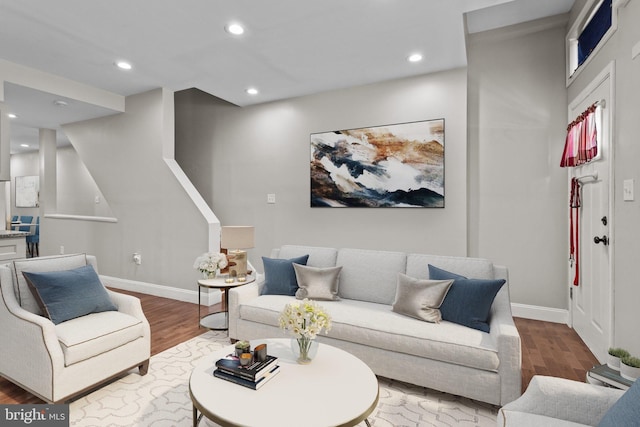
[209, 296]
[534, 312]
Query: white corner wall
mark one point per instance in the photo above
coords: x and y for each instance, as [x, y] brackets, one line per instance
[239, 155]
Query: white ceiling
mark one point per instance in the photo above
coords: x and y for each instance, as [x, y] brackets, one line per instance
[290, 47]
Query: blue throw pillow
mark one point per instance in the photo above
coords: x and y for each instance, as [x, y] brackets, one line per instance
[279, 275]
[65, 295]
[626, 411]
[468, 301]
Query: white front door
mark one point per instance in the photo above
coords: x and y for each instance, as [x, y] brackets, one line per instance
[591, 300]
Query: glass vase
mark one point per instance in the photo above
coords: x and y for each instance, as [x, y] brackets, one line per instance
[209, 274]
[304, 349]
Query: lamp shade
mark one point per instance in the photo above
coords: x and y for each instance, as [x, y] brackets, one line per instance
[237, 237]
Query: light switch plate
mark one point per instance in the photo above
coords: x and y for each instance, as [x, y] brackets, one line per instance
[271, 198]
[627, 190]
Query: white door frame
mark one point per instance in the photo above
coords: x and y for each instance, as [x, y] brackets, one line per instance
[607, 72]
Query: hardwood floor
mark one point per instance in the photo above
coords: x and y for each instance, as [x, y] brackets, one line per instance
[547, 348]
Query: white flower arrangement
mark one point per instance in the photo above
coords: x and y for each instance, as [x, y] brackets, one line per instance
[210, 262]
[304, 319]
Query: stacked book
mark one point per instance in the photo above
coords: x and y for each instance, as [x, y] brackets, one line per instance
[253, 376]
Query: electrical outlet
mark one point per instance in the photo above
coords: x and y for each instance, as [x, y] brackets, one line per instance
[61, 250]
[137, 258]
[271, 198]
[627, 190]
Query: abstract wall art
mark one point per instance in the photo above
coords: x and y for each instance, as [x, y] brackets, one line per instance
[400, 165]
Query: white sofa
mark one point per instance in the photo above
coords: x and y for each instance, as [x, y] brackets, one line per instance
[445, 356]
[57, 361]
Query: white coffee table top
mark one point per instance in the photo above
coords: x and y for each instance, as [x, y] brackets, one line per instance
[335, 389]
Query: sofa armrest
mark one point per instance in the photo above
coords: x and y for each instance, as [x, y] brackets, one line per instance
[507, 338]
[563, 399]
[237, 296]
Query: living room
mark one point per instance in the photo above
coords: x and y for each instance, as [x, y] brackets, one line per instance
[505, 122]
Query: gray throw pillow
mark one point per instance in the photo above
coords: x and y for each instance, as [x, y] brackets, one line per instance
[420, 298]
[317, 283]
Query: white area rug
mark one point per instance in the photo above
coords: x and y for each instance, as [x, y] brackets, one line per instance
[161, 398]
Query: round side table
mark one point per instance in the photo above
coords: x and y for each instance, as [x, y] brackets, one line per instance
[218, 321]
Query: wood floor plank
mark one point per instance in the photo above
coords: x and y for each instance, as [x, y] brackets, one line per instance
[547, 348]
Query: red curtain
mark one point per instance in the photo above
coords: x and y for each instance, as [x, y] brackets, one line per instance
[581, 145]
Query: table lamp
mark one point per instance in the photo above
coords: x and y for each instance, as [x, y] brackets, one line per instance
[234, 239]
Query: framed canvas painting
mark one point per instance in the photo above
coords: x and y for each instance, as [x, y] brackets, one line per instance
[400, 165]
[27, 191]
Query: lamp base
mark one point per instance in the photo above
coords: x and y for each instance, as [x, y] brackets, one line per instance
[237, 264]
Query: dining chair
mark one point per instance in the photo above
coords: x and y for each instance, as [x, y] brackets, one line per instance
[33, 241]
[25, 219]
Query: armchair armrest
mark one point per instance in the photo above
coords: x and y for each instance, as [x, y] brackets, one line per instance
[563, 399]
[127, 304]
[38, 356]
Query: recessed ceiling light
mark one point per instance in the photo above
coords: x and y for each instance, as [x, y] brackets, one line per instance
[235, 29]
[252, 91]
[24, 145]
[124, 65]
[60, 103]
[415, 57]
[12, 116]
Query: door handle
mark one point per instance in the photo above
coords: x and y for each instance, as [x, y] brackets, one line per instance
[603, 239]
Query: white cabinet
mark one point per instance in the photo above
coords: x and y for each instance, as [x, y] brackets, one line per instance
[12, 247]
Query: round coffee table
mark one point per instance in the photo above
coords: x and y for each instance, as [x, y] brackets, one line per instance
[335, 389]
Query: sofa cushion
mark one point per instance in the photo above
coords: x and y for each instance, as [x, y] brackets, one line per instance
[318, 257]
[375, 325]
[279, 276]
[88, 336]
[38, 265]
[468, 302]
[478, 268]
[317, 283]
[370, 275]
[626, 411]
[65, 295]
[420, 299]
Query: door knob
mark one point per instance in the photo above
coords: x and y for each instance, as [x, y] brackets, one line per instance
[603, 239]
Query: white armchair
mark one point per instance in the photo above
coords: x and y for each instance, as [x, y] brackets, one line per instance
[558, 402]
[57, 361]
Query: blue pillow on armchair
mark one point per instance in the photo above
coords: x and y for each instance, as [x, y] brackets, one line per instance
[279, 275]
[626, 411]
[468, 301]
[65, 295]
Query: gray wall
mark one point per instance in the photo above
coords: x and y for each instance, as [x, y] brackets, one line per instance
[242, 154]
[626, 238]
[77, 191]
[155, 216]
[505, 194]
[517, 125]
